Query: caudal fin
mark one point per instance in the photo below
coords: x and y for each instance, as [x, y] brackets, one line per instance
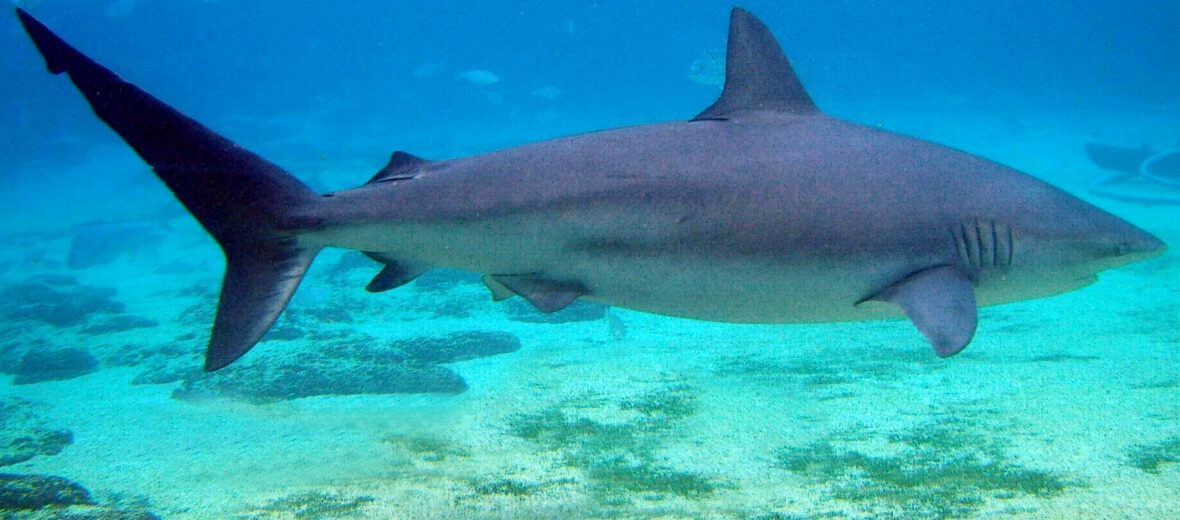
[246, 202]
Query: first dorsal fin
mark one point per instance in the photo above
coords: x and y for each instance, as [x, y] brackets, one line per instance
[758, 77]
[401, 166]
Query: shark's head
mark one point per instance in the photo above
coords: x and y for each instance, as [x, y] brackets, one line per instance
[1107, 242]
[1090, 241]
[1059, 243]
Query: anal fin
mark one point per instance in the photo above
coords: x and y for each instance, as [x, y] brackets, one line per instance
[940, 302]
[543, 293]
[394, 274]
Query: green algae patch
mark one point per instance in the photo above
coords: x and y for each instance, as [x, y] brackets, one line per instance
[829, 515]
[429, 449]
[312, 505]
[881, 364]
[555, 429]
[615, 444]
[1156, 384]
[506, 486]
[1061, 358]
[663, 405]
[937, 471]
[1150, 457]
[650, 478]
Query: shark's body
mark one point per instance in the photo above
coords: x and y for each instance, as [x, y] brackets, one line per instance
[760, 210]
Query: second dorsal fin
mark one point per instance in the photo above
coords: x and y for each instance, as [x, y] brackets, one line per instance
[758, 77]
[401, 166]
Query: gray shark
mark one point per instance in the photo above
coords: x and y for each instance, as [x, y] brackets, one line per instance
[761, 209]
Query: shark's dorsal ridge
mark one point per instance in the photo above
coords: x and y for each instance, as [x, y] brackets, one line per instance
[758, 77]
[401, 166]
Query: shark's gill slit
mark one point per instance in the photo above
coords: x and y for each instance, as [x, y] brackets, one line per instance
[1009, 245]
[987, 251]
[995, 243]
[959, 235]
[983, 244]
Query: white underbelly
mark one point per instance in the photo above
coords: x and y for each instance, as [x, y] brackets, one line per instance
[676, 281]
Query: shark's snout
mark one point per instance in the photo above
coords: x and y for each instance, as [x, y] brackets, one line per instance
[1128, 246]
[1141, 246]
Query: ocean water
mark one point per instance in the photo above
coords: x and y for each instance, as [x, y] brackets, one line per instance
[432, 401]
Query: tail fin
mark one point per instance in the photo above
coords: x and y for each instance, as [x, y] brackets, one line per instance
[243, 200]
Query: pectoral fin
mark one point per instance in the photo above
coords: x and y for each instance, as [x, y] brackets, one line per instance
[545, 294]
[940, 302]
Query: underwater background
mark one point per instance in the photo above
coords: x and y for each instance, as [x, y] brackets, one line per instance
[431, 401]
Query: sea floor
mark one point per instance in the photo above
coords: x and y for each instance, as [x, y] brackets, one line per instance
[1062, 408]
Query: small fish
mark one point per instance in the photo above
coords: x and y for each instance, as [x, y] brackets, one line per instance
[479, 77]
[709, 69]
[547, 92]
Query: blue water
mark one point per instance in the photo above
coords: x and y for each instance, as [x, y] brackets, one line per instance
[1062, 408]
[615, 63]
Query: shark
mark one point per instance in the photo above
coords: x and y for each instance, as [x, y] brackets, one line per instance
[761, 209]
